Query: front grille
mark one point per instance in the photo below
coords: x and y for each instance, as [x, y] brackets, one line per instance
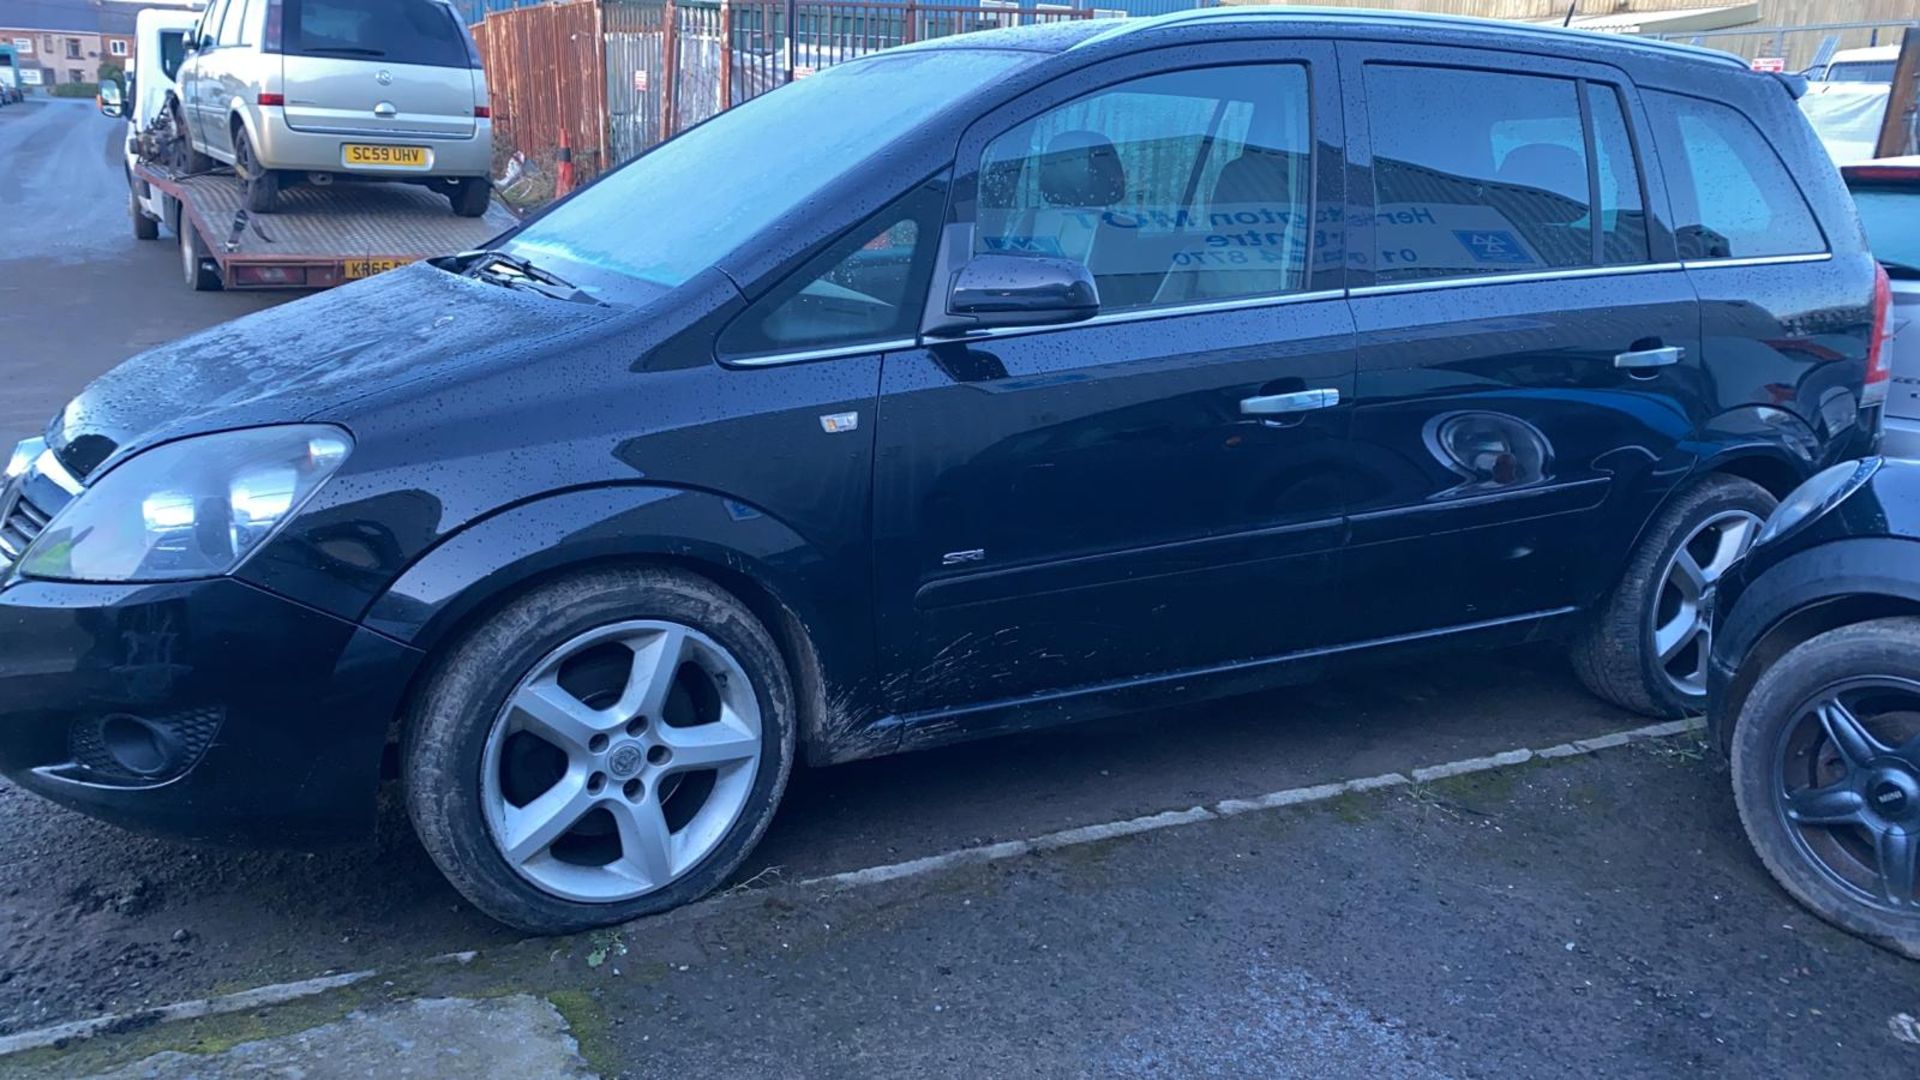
[21, 527]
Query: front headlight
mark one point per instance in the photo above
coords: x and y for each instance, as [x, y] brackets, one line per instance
[189, 509]
[24, 455]
[1824, 491]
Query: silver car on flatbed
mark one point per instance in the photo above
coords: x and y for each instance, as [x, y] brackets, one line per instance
[316, 91]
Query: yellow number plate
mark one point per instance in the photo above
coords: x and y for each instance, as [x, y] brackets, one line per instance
[386, 157]
[363, 268]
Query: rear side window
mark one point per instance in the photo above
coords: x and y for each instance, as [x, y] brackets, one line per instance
[422, 32]
[1478, 172]
[1179, 188]
[1732, 196]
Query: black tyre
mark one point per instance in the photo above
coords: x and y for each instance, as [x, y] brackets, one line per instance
[1826, 774]
[471, 197]
[144, 227]
[262, 184]
[1646, 647]
[185, 158]
[608, 746]
[201, 273]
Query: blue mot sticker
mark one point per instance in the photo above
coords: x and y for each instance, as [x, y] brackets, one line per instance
[1493, 246]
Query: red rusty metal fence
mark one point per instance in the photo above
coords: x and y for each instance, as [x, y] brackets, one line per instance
[547, 79]
[619, 76]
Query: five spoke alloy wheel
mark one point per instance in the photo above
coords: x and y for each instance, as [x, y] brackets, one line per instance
[606, 745]
[1682, 613]
[1847, 779]
[1825, 765]
[621, 760]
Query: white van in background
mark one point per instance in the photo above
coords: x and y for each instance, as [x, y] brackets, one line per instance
[1874, 64]
[160, 47]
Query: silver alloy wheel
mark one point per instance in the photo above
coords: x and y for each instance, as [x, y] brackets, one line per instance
[1682, 609]
[644, 773]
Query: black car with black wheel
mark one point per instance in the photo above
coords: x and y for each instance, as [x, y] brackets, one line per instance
[1816, 697]
[1059, 371]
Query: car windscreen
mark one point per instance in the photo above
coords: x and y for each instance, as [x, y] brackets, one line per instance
[422, 32]
[683, 206]
[1873, 71]
[1891, 214]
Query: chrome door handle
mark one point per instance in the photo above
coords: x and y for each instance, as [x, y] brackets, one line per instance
[1650, 358]
[386, 110]
[1281, 404]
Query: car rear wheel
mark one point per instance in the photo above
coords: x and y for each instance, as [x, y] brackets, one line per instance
[201, 273]
[1647, 647]
[1826, 775]
[262, 184]
[608, 746]
[471, 197]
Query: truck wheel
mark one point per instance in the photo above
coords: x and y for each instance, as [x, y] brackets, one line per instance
[607, 746]
[202, 275]
[144, 227]
[471, 197]
[1646, 648]
[262, 184]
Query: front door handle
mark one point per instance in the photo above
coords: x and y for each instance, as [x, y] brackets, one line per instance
[1641, 359]
[1297, 402]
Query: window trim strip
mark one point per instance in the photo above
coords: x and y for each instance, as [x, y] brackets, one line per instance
[1514, 279]
[1757, 260]
[1252, 302]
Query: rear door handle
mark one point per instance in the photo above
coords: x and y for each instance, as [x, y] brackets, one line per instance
[1297, 402]
[1650, 358]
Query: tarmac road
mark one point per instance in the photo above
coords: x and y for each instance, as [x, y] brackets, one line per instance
[95, 920]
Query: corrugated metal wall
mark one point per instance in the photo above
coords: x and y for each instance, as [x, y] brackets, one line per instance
[547, 74]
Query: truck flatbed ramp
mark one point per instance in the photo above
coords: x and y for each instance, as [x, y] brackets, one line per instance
[320, 236]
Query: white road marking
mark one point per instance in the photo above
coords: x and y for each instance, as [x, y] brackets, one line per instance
[873, 875]
[277, 994]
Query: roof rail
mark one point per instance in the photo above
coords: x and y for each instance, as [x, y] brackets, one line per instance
[1291, 13]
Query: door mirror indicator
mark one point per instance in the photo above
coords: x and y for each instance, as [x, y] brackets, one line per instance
[995, 290]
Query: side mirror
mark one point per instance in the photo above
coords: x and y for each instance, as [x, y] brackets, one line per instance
[995, 290]
[110, 101]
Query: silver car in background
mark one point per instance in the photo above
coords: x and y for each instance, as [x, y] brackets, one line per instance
[314, 91]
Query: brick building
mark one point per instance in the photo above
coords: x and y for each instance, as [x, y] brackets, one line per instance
[66, 41]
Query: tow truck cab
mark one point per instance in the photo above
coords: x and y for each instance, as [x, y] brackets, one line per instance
[161, 46]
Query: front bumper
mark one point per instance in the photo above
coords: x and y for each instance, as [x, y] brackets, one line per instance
[246, 717]
[282, 147]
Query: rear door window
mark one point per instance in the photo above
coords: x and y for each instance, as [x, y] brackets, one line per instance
[1732, 196]
[422, 32]
[1479, 172]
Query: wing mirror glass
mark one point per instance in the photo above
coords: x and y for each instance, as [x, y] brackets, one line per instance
[996, 290]
[111, 103]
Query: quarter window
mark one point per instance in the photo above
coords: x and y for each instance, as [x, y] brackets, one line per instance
[1178, 188]
[1479, 172]
[1732, 196]
[866, 289]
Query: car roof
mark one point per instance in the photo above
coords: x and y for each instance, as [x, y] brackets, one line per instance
[1871, 52]
[1064, 35]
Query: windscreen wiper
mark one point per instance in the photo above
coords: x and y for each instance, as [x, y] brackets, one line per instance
[512, 270]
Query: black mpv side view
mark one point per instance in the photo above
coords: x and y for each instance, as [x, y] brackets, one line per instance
[959, 389]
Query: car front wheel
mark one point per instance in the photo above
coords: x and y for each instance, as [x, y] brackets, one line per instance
[608, 746]
[1647, 647]
[1826, 775]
